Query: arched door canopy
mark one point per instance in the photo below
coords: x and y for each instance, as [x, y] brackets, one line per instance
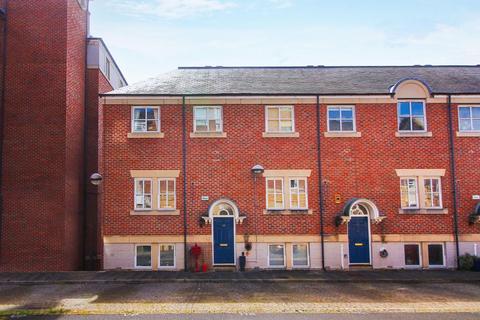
[223, 208]
[360, 207]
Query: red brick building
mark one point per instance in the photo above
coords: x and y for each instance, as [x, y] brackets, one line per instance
[47, 149]
[297, 167]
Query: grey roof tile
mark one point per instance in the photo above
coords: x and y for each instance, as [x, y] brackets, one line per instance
[303, 80]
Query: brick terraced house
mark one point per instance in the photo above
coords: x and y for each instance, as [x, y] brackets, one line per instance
[297, 167]
[51, 73]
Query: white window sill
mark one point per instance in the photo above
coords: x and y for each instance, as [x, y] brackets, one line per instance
[169, 212]
[143, 135]
[423, 211]
[468, 134]
[287, 212]
[340, 134]
[208, 134]
[143, 268]
[280, 134]
[402, 134]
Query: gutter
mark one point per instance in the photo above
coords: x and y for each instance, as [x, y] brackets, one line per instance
[184, 169]
[3, 17]
[454, 178]
[254, 94]
[320, 190]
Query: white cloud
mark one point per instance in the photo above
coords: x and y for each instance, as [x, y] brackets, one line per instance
[171, 8]
[153, 49]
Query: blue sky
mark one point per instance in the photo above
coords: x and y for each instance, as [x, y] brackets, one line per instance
[149, 37]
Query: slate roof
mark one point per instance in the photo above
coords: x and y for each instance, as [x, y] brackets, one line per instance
[341, 80]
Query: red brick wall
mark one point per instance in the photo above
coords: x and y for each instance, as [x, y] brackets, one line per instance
[42, 156]
[352, 167]
[365, 167]
[467, 158]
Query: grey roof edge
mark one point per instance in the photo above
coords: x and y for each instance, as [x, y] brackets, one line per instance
[330, 67]
[111, 55]
[272, 94]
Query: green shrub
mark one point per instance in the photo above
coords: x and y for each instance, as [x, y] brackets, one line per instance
[466, 261]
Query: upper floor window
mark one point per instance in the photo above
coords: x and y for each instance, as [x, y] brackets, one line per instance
[298, 193]
[421, 192]
[409, 195]
[433, 196]
[469, 118]
[166, 193]
[153, 194]
[208, 119]
[279, 119]
[341, 118]
[275, 193]
[287, 193]
[411, 116]
[143, 194]
[146, 119]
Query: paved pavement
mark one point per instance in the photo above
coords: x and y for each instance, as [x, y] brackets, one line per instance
[438, 276]
[242, 298]
[405, 316]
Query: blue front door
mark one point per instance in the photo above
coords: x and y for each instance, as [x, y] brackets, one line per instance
[223, 242]
[359, 240]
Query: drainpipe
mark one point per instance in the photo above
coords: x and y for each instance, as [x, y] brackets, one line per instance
[85, 150]
[2, 114]
[454, 178]
[320, 189]
[184, 169]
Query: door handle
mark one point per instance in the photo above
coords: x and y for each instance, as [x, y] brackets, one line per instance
[223, 244]
[358, 244]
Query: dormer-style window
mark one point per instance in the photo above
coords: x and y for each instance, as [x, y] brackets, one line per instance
[145, 119]
[208, 119]
[411, 116]
[469, 118]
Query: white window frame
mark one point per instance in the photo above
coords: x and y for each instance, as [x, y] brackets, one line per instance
[471, 117]
[135, 256]
[340, 107]
[174, 193]
[143, 194]
[413, 266]
[411, 116]
[308, 256]
[195, 108]
[432, 266]
[292, 111]
[174, 256]
[424, 192]
[416, 192]
[133, 119]
[298, 193]
[275, 193]
[284, 255]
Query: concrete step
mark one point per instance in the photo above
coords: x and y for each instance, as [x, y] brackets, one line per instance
[224, 268]
[359, 267]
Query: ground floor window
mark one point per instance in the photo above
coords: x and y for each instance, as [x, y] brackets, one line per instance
[412, 255]
[435, 255]
[167, 256]
[143, 256]
[300, 255]
[276, 255]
